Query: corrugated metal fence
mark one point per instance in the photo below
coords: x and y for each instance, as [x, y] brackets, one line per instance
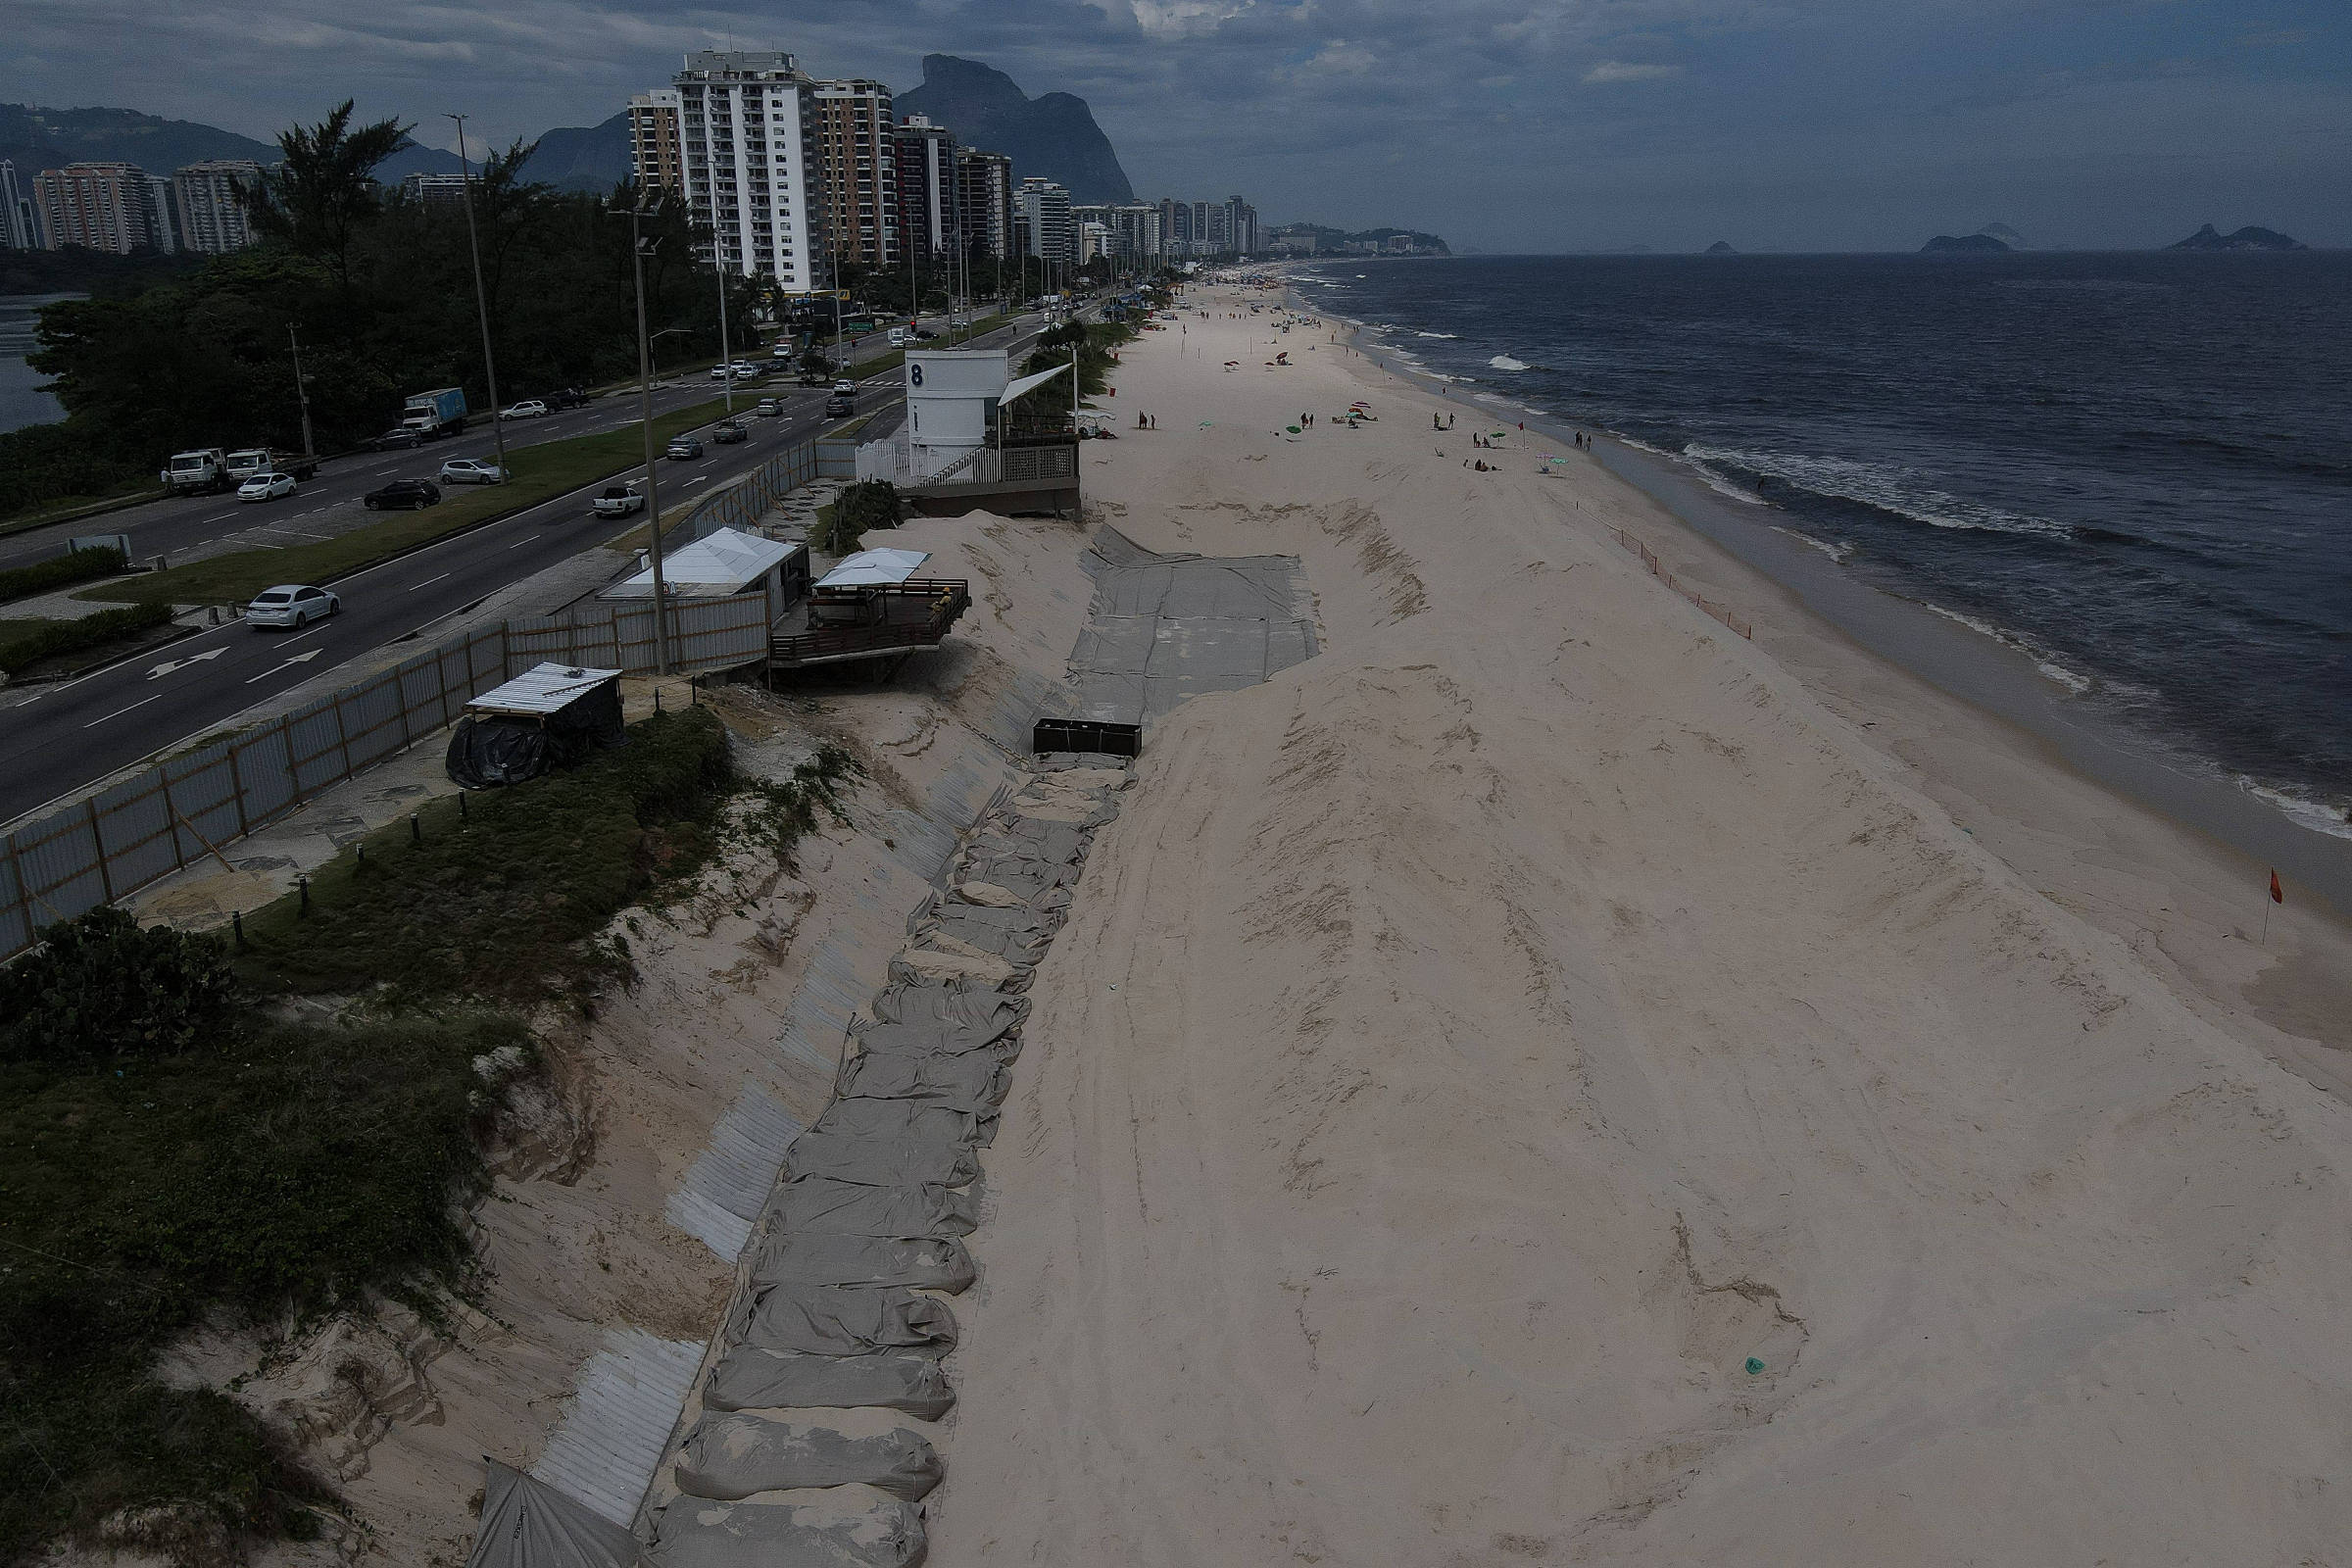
[186, 808]
[743, 503]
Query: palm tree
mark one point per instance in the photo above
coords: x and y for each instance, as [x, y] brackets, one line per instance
[316, 199]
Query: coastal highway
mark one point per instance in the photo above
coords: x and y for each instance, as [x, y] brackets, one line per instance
[56, 740]
[166, 527]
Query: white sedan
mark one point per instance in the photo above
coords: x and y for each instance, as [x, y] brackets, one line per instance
[527, 409]
[472, 471]
[292, 606]
[266, 487]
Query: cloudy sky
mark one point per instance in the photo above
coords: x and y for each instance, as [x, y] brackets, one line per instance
[1504, 124]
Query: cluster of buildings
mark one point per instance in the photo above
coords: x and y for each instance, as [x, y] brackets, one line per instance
[798, 176]
[121, 208]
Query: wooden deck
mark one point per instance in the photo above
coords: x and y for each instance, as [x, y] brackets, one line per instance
[834, 625]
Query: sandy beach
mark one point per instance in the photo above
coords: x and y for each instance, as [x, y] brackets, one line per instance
[1550, 1078]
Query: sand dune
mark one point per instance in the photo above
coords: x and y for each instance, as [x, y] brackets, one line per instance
[1476, 1045]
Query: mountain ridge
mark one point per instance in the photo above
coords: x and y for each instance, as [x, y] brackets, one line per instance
[1054, 135]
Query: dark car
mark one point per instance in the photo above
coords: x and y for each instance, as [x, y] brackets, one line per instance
[565, 397]
[727, 431]
[684, 446]
[839, 405]
[410, 493]
[923, 334]
[396, 441]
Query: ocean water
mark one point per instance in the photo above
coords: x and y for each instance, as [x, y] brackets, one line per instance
[2137, 468]
[22, 400]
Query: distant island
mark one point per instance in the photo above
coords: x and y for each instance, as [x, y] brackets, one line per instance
[1317, 239]
[1722, 247]
[1980, 243]
[2249, 238]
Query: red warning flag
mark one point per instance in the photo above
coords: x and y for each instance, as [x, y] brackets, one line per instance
[2276, 897]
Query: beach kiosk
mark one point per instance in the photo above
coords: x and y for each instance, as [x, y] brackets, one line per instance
[547, 717]
[722, 564]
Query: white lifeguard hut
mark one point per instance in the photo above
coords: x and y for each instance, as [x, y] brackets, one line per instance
[952, 399]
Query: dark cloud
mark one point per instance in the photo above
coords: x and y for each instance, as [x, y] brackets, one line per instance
[1505, 124]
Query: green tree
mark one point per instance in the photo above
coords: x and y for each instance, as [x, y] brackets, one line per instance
[318, 198]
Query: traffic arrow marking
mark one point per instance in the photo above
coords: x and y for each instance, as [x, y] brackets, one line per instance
[298, 658]
[182, 664]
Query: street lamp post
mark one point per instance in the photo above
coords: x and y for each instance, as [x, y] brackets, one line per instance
[645, 416]
[726, 349]
[667, 331]
[302, 389]
[481, 301]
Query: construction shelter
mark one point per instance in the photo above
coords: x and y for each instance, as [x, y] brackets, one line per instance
[549, 716]
[723, 564]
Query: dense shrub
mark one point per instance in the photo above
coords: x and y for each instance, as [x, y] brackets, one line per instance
[54, 637]
[61, 571]
[101, 985]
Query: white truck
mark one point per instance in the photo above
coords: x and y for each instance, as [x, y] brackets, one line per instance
[202, 472]
[439, 412]
[247, 462]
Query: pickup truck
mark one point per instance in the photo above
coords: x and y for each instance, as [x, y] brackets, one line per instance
[247, 462]
[617, 501]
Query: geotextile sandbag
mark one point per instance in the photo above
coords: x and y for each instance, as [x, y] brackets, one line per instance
[888, 1142]
[730, 1455]
[854, 1209]
[841, 1527]
[750, 1378]
[840, 1320]
[976, 1081]
[870, 1261]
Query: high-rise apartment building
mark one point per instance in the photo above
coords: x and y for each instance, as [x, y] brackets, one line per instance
[657, 159]
[105, 207]
[1175, 226]
[19, 227]
[930, 208]
[984, 195]
[858, 190]
[746, 131]
[209, 200]
[1241, 225]
[1135, 230]
[1207, 229]
[1046, 206]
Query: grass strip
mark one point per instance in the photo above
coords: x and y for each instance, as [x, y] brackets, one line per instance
[541, 472]
[46, 639]
[74, 566]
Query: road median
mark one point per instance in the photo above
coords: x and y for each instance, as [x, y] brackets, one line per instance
[541, 473]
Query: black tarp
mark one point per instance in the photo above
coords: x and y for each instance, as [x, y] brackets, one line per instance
[494, 749]
[528, 1524]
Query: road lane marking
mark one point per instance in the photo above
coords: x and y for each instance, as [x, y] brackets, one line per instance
[119, 711]
[427, 583]
[169, 666]
[298, 658]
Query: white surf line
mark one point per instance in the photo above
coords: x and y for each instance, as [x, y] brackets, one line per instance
[119, 711]
[427, 583]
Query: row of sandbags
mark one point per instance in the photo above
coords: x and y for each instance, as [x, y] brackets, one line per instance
[809, 1452]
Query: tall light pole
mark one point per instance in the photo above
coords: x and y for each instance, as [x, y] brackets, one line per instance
[302, 389]
[638, 245]
[481, 301]
[726, 349]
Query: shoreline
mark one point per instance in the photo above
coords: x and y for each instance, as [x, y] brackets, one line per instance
[1961, 659]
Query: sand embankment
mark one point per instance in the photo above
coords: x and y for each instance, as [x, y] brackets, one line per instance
[1472, 1047]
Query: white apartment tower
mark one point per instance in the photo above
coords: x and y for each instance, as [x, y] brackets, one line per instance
[746, 124]
[211, 201]
[20, 229]
[1046, 206]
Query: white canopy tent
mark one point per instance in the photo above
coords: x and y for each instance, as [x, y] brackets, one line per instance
[1029, 384]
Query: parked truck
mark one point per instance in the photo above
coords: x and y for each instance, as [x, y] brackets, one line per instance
[203, 472]
[435, 414]
[247, 462]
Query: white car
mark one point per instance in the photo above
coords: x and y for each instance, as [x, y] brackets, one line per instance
[527, 409]
[291, 605]
[266, 487]
[617, 501]
[846, 387]
[472, 471]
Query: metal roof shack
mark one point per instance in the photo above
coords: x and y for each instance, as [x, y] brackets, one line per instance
[713, 566]
[549, 716]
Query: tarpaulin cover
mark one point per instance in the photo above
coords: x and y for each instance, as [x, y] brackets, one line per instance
[812, 1258]
[845, 1527]
[729, 1456]
[1018, 935]
[888, 1142]
[838, 1320]
[748, 1378]
[489, 750]
[528, 1524]
[853, 1209]
[988, 1014]
[975, 1081]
